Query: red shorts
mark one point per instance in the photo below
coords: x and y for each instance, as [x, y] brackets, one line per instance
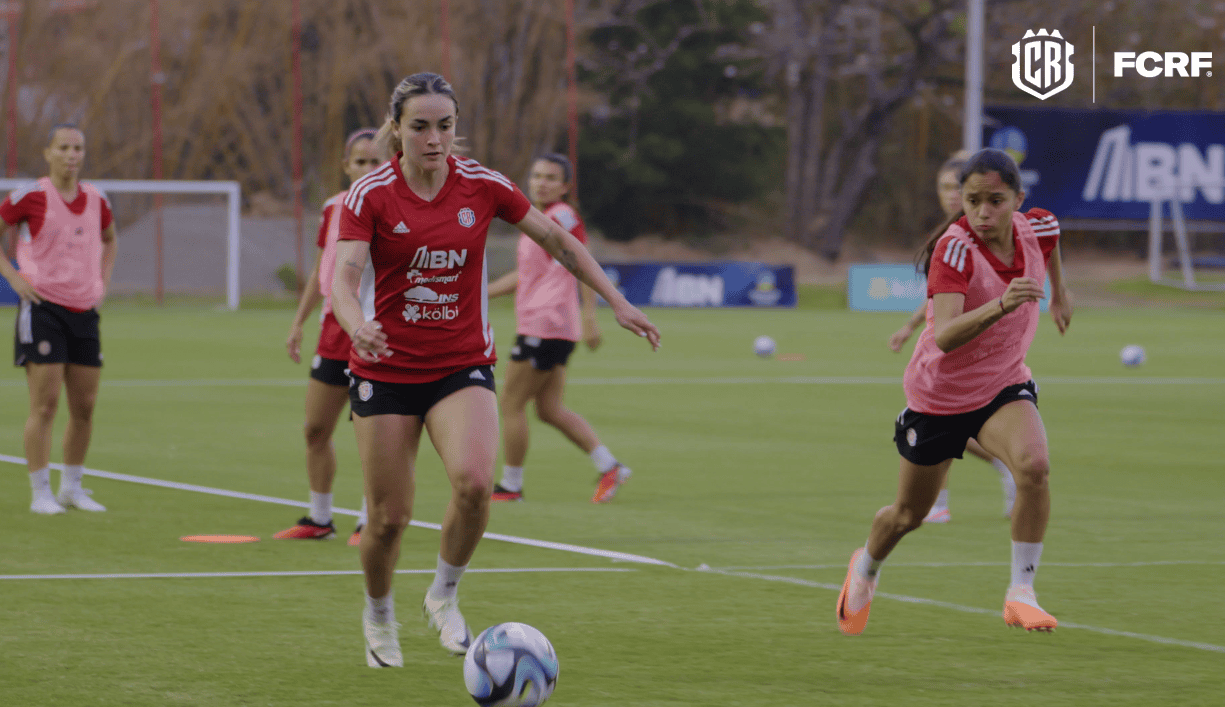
[333, 341]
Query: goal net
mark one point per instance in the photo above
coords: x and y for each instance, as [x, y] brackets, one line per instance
[182, 238]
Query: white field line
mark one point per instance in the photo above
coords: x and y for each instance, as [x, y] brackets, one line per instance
[842, 566]
[304, 573]
[546, 544]
[971, 609]
[633, 380]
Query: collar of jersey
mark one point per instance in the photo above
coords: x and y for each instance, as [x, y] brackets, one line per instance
[403, 190]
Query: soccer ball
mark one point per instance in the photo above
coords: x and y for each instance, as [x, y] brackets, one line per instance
[763, 346]
[1132, 355]
[510, 664]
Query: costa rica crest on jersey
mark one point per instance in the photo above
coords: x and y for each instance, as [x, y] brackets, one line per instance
[467, 217]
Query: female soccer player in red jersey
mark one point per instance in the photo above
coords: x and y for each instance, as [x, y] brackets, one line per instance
[948, 188]
[423, 359]
[65, 252]
[547, 315]
[968, 378]
[327, 391]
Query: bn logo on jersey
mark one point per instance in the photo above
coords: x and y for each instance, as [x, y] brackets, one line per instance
[467, 217]
[433, 259]
[1042, 63]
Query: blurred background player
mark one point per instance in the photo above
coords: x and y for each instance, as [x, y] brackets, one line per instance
[968, 378]
[948, 189]
[548, 301]
[327, 391]
[66, 252]
[423, 359]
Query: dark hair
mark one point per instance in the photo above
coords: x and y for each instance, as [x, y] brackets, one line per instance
[560, 160]
[981, 162]
[61, 126]
[424, 83]
[359, 134]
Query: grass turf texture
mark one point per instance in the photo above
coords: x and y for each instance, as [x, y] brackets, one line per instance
[727, 474]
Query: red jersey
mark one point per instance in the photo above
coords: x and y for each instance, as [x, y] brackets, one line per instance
[329, 230]
[430, 274]
[970, 376]
[546, 298]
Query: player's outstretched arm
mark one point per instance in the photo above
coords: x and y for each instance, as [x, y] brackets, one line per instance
[575, 257]
[110, 249]
[504, 285]
[367, 336]
[952, 327]
[901, 336]
[1061, 299]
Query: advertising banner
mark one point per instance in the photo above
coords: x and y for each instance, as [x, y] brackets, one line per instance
[894, 287]
[1111, 164]
[722, 284]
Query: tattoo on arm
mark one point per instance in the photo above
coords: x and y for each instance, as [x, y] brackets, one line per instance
[354, 264]
[569, 261]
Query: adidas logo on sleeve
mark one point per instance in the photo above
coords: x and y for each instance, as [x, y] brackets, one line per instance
[400, 228]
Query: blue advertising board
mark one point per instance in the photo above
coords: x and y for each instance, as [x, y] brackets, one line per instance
[724, 284]
[894, 287]
[1111, 164]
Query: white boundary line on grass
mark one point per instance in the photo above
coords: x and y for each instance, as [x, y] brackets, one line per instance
[643, 380]
[1154, 563]
[303, 573]
[971, 609]
[546, 544]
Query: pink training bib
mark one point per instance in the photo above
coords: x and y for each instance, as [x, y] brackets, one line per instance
[64, 262]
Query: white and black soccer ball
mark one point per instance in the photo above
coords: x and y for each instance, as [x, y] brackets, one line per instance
[510, 665]
[1132, 355]
[763, 346]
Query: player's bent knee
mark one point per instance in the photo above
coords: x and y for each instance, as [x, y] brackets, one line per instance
[44, 411]
[472, 488]
[1033, 468]
[317, 434]
[906, 519]
[387, 522]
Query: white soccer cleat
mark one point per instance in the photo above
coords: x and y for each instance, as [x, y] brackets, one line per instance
[382, 643]
[45, 504]
[444, 617]
[79, 498]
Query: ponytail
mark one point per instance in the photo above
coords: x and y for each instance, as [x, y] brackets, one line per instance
[923, 261]
[385, 141]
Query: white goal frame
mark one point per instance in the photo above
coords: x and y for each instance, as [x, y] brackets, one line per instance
[233, 202]
[1156, 232]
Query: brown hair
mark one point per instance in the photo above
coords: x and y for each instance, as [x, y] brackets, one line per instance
[419, 84]
[981, 162]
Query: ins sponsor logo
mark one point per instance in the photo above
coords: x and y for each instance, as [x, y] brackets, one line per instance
[1042, 63]
[425, 295]
[434, 259]
[1153, 64]
[1150, 171]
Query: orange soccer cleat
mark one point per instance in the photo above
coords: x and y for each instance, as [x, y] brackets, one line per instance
[609, 482]
[855, 599]
[1021, 610]
[307, 529]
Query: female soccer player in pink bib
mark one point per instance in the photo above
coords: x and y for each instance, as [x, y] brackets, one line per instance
[65, 252]
[423, 358]
[548, 301]
[327, 391]
[968, 378]
[948, 188]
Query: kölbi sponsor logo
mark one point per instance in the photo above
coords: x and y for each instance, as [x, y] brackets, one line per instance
[1042, 63]
[1151, 171]
[1154, 64]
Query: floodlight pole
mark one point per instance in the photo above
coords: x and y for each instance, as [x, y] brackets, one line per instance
[972, 123]
[444, 29]
[156, 79]
[296, 40]
[13, 17]
[571, 97]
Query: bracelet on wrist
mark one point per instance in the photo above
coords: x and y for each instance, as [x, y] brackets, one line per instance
[1005, 311]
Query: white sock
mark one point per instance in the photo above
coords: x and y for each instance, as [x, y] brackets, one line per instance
[70, 478]
[383, 609]
[363, 518]
[1025, 558]
[321, 508]
[512, 478]
[942, 500]
[446, 579]
[40, 481]
[603, 459]
[867, 567]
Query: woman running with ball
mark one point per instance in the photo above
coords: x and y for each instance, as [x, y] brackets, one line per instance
[968, 378]
[548, 302]
[327, 391]
[423, 358]
[948, 188]
[66, 252]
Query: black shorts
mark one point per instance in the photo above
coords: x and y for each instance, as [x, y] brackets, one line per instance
[331, 371]
[544, 354]
[370, 397]
[930, 439]
[49, 333]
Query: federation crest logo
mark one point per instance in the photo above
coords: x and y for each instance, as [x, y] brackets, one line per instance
[44, 347]
[316, 361]
[1042, 64]
[467, 217]
[365, 390]
[912, 437]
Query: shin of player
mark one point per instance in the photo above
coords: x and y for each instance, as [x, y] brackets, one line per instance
[66, 253]
[552, 313]
[327, 390]
[968, 379]
[422, 358]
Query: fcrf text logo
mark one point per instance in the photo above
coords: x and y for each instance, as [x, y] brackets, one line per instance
[1153, 64]
[1042, 63]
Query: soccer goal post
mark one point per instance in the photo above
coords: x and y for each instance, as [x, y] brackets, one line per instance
[233, 205]
[1186, 262]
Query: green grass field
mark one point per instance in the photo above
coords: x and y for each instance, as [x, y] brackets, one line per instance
[767, 471]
